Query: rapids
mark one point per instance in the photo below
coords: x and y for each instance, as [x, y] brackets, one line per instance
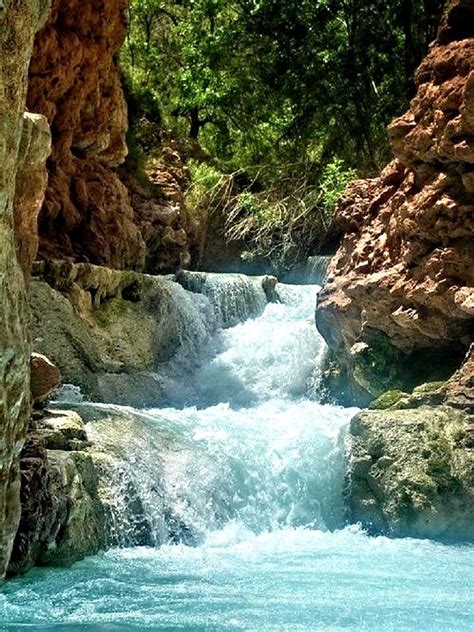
[235, 487]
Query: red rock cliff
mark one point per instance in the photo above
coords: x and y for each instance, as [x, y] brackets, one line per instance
[401, 285]
[88, 214]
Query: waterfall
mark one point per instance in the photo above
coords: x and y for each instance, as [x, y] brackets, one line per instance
[243, 440]
[234, 297]
[314, 270]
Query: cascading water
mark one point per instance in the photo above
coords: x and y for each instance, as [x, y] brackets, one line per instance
[313, 270]
[236, 488]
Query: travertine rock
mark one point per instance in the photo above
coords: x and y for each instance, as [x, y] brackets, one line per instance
[411, 472]
[18, 24]
[95, 211]
[410, 461]
[402, 281]
[160, 211]
[62, 517]
[74, 82]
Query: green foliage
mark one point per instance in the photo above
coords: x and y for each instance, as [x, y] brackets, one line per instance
[262, 81]
[334, 179]
[287, 99]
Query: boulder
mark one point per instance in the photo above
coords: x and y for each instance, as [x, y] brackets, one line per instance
[411, 473]
[410, 461]
[62, 518]
[45, 378]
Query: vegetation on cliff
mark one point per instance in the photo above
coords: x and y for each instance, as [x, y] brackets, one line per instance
[286, 100]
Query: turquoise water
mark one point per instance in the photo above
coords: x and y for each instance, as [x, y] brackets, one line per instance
[293, 579]
[240, 482]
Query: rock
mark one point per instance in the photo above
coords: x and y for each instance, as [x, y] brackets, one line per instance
[18, 24]
[418, 474]
[45, 378]
[457, 392]
[411, 461]
[30, 186]
[62, 430]
[160, 210]
[96, 208]
[74, 83]
[105, 329]
[402, 281]
[62, 517]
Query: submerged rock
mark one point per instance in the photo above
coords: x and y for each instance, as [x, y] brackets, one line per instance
[397, 307]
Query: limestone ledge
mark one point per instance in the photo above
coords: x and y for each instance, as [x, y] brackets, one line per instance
[109, 331]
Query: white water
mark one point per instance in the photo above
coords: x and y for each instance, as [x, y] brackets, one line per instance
[240, 482]
[255, 447]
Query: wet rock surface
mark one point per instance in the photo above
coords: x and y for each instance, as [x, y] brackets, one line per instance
[109, 331]
[410, 461]
[18, 23]
[401, 284]
[411, 472]
[62, 518]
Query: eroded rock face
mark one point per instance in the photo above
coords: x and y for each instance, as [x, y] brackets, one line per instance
[30, 187]
[95, 211]
[18, 23]
[160, 210]
[62, 517]
[401, 284]
[75, 84]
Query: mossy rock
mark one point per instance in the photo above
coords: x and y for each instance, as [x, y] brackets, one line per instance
[387, 400]
[428, 387]
[418, 475]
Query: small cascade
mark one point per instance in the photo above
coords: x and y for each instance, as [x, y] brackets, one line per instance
[235, 297]
[316, 268]
[314, 271]
[243, 439]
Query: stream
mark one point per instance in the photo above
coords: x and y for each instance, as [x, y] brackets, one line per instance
[235, 486]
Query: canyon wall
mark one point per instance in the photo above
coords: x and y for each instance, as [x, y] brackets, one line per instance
[88, 213]
[398, 305]
[18, 23]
